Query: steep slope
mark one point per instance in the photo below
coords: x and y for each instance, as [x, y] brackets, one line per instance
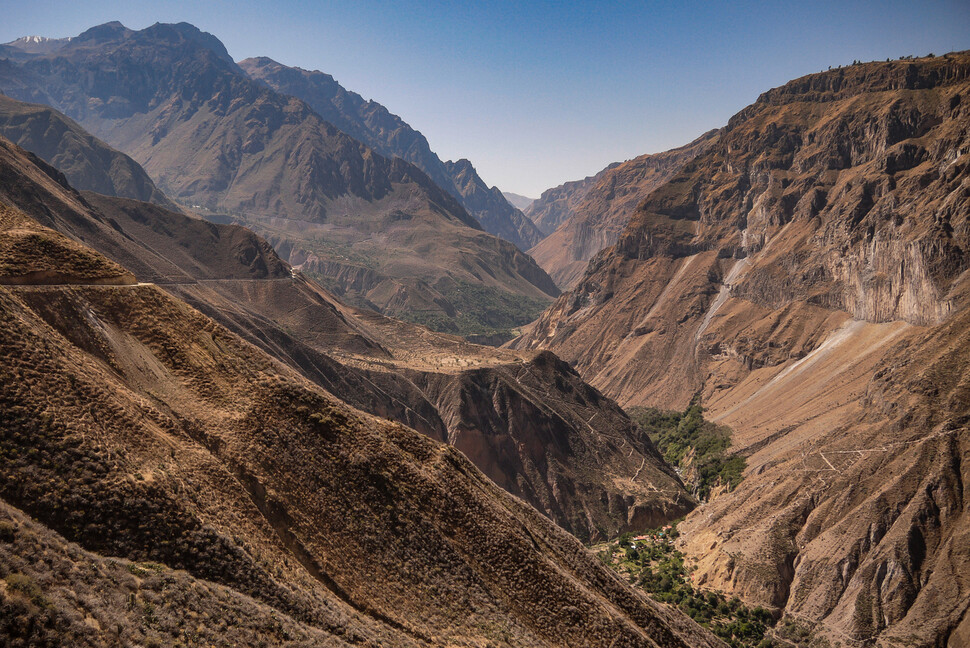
[378, 230]
[528, 422]
[388, 134]
[808, 275]
[545, 437]
[184, 466]
[87, 162]
[556, 205]
[601, 216]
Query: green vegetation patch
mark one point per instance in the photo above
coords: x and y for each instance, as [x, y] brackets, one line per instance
[651, 563]
[697, 447]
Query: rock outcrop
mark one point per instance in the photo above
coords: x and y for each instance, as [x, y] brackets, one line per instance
[808, 275]
[494, 212]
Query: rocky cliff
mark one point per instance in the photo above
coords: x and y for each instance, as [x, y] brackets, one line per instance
[807, 275]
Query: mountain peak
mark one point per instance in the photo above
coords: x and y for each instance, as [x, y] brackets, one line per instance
[37, 44]
[106, 32]
[31, 40]
[183, 31]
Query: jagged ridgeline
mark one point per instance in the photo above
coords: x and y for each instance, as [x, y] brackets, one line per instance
[362, 215]
[807, 274]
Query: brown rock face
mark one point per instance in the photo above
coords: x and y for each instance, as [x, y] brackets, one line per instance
[597, 219]
[382, 366]
[141, 438]
[807, 274]
[543, 434]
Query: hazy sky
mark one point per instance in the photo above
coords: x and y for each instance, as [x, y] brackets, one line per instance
[537, 93]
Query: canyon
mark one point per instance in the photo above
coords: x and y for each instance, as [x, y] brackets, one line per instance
[244, 399]
[806, 276]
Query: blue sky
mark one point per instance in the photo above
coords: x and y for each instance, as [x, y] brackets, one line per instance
[537, 93]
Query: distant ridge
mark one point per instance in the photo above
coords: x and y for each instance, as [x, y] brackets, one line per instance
[376, 126]
[518, 201]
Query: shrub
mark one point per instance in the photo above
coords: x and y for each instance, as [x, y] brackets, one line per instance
[8, 532]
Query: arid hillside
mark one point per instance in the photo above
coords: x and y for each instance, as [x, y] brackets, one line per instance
[184, 487]
[807, 275]
[597, 220]
[376, 230]
[529, 422]
[87, 162]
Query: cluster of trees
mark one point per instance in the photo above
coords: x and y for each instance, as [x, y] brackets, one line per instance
[659, 569]
[696, 446]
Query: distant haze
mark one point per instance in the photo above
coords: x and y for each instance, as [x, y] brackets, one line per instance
[522, 202]
[536, 93]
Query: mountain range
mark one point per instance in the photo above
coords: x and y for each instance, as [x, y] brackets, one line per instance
[219, 427]
[224, 144]
[375, 126]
